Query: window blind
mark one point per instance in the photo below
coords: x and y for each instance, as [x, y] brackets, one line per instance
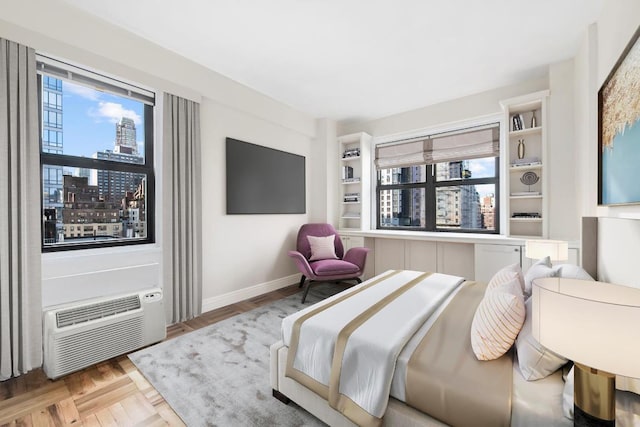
[78, 75]
[401, 155]
[450, 147]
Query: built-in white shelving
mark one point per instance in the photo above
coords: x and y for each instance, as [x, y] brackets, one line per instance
[525, 130]
[355, 172]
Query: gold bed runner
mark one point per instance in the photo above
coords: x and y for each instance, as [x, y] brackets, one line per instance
[444, 378]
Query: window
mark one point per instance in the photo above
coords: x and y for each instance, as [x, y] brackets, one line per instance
[96, 159]
[444, 182]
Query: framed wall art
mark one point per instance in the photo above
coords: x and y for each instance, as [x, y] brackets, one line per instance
[619, 130]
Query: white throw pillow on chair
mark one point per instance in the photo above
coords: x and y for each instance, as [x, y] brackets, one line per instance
[322, 247]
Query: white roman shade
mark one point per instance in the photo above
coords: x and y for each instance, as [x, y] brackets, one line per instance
[468, 144]
[402, 154]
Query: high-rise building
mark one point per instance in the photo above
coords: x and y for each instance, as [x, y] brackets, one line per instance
[52, 181]
[457, 206]
[126, 137]
[114, 185]
[402, 208]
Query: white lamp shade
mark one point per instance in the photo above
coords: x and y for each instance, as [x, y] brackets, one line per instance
[593, 323]
[557, 250]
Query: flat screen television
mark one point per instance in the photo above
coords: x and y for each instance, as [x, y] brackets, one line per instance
[262, 180]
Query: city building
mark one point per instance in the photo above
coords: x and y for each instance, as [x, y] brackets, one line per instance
[126, 137]
[487, 209]
[86, 214]
[113, 185]
[134, 214]
[402, 208]
[52, 142]
[459, 205]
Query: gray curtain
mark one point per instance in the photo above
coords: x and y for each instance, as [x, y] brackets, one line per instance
[20, 219]
[181, 123]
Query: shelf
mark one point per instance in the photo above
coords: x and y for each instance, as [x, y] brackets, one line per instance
[525, 168]
[523, 198]
[524, 132]
[354, 197]
[525, 219]
[525, 107]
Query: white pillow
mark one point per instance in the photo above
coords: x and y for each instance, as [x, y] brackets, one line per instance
[535, 360]
[570, 271]
[497, 321]
[322, 247]
[506, 275]
[539, 270]
[567, 396]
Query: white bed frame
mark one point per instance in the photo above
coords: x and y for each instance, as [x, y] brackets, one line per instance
[610, 248]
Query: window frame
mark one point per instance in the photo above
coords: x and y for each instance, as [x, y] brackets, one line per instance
[430, 185]
[65, 160]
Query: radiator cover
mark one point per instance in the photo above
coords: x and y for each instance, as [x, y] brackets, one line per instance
[83, 333]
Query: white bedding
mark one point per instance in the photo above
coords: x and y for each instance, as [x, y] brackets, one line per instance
[367, 350]
[532, 402]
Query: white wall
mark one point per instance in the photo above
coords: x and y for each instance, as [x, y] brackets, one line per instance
[466, 108]
[245, 255]
[564, 220]
[241, 253]
[563, 199]
[601, 47]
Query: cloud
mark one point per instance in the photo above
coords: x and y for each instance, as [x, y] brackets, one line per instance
[82, 91]
[482, 167]
[113, 112]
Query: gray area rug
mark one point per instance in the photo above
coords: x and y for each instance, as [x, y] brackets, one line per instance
[219, 375]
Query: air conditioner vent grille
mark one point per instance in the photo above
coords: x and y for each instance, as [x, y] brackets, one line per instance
[99, 310]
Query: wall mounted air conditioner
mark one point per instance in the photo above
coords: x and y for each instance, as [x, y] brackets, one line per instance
[83, 333]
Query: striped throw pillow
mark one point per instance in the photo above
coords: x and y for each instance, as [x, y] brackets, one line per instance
[497, 321]
[506, 275]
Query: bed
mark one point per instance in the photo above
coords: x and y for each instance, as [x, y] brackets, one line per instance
[533, 403]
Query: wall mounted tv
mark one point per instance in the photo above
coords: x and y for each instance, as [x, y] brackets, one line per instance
[261, 180]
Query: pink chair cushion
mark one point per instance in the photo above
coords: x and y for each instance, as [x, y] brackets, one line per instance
[333, 267]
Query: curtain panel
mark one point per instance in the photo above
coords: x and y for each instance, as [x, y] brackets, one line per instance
[20, 218]
[181, 122]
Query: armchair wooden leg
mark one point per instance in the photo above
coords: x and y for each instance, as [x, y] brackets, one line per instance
[306, 291]
[302, 281]
[359, 280]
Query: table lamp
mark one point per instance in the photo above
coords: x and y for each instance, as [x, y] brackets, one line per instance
[556, 250]
[595, 324]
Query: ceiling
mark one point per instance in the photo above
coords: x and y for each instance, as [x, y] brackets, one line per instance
[353, 60]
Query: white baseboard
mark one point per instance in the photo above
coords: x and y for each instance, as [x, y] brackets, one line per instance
[250, 292]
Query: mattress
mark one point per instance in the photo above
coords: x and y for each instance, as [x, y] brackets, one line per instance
[533, 402]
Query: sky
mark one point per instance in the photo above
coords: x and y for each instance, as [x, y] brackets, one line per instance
[89, 118]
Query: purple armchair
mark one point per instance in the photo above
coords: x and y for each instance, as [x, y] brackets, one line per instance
[349, 266]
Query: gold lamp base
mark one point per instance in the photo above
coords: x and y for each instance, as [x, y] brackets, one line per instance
[594, 397]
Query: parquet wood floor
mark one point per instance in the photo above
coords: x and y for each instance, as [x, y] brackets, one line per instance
[112, 393]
